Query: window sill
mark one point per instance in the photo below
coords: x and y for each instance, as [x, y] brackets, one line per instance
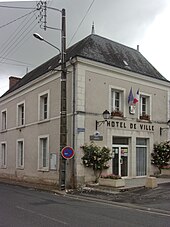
[143, 120]
[43, 170]
[20, 168]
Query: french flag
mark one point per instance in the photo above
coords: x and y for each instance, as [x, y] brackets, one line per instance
[136, 98]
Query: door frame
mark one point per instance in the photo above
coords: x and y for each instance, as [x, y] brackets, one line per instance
[121, 146]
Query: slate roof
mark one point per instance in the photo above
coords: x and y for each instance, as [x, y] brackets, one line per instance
[97, 48]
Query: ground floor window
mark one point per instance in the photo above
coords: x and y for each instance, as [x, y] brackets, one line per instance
[141, 156]
[3, 155]
[43, 153]
[20, 154]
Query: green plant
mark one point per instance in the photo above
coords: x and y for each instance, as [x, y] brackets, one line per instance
[96, 157]
[161, 155]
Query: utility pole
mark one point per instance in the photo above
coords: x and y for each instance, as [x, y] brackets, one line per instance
[63, 113]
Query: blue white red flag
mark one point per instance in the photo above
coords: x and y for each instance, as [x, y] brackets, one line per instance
[136, 98]
[130, 97]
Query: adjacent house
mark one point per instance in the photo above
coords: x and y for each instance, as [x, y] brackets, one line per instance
[101, 75]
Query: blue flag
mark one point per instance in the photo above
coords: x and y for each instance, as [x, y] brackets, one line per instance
[130, 97]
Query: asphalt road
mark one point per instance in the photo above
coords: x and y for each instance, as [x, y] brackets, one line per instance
[27, 207]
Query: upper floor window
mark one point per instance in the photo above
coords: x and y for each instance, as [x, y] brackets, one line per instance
[20, 154]
[3, 155]
[43, 155]
[44, 106]
[116, 100]
[4, 119]
[21, 113]
[117, 105]
[145, 110]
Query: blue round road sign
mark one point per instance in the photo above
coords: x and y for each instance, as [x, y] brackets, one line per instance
[67, 152]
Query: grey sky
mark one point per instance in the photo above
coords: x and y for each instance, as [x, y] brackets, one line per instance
[129, 22]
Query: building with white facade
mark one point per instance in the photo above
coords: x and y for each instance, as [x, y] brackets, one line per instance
[100, 75]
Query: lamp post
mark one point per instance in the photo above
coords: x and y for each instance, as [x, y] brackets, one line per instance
[106, 116]
[63, 98]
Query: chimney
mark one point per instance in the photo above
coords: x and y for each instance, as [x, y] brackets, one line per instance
[13, 80]
[137, 47]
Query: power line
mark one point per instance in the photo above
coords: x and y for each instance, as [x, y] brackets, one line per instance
[9, 59]
[81, 21]
[15, 7]
[18, 41]
[16, 19]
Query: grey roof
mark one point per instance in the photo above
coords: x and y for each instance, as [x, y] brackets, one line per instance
[97, 48]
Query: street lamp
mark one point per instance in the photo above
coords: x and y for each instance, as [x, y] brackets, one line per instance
[63, 107]
[37, 36]
[106, 116]
[166, 128]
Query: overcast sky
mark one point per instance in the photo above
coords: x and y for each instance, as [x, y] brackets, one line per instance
[130, 22]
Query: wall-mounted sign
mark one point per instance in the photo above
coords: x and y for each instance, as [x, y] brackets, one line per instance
[96, 138]
[130, 125]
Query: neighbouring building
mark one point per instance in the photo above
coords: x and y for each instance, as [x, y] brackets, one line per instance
[101, 75]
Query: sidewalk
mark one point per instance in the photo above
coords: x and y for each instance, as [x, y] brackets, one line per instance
[130, 184]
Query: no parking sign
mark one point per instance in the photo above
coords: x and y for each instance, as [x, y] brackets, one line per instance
[67, 152]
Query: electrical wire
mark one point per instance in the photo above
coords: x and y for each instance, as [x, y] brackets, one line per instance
[14, 37]
[81, 21]
[15, 7]
[9, 59]
[19, 41]
[16, 19]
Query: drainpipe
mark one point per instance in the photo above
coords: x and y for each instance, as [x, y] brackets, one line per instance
[72, 62]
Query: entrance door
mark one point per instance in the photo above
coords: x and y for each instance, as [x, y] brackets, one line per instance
[120, 160]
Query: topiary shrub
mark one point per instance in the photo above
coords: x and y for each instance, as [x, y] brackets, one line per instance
[161, 155]
[96, 157]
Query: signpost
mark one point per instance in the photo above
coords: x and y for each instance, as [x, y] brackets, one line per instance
[67, 152]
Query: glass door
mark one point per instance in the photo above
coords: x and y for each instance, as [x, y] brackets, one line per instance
[120, 160]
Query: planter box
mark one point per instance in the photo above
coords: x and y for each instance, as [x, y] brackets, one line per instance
[165, 172]
[112, 182]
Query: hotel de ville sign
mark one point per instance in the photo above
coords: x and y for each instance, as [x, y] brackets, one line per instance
[139, 126]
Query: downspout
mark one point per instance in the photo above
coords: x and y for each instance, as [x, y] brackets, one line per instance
[72, 62]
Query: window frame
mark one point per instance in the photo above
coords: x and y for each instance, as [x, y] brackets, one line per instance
[21, 114]
[20, 159]
[43, 107]
[41, 167]
[113, 90]
[148, 104]
[3, 157]
[4, 120]
[145, 146]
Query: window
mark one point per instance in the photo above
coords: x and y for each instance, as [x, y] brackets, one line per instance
[116, 100]
[4, 120]
[20, 154]
[3, 155]
[141, 156]
[21, 114]
[43, 153]
[44, 106]
[145, 107]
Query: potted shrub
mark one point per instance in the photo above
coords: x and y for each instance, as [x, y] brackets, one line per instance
[145, 117]
[161, 156]
[117, 113]
[96, 158]
[111, 180]
[165, 170]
